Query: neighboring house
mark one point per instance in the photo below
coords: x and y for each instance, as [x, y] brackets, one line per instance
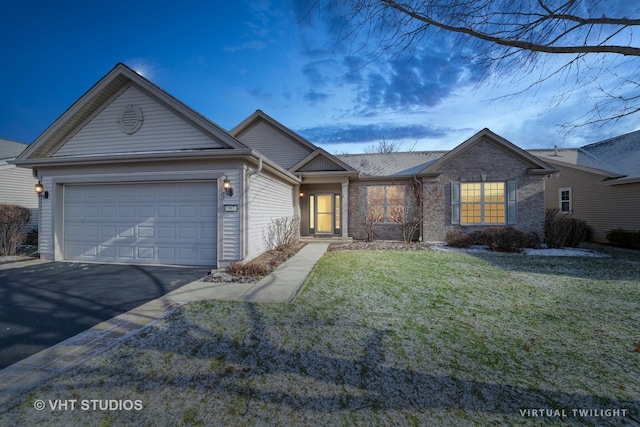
[136, 176]
[16, 184]
[598, 183]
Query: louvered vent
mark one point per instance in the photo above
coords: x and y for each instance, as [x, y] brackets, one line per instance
[130, 119]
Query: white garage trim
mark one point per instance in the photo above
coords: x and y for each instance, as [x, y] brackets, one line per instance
[170, 222]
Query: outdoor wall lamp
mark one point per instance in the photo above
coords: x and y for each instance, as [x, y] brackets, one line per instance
[39, 189]
[226, 187]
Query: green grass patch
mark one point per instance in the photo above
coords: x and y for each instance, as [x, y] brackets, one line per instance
[387, 338]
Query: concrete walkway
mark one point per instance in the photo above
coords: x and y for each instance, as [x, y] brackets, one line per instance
[281, 286]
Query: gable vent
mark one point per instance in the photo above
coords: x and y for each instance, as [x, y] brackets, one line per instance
[131, 119]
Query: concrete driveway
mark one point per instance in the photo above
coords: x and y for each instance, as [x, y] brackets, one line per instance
[42, 305]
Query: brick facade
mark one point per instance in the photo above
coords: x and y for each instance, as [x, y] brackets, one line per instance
[485, 161]
[482, 161]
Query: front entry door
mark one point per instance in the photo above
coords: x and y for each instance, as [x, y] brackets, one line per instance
[324, 214]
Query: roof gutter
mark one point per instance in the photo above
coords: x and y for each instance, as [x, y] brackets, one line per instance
[161, 156]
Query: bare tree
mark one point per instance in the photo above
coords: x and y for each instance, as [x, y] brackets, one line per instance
[517, 36]
[409, 215]
[368, 215]
[384, 146]
[432, 202]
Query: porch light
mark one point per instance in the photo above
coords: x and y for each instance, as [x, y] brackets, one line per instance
[301, 194]
[226, 187]
[39, 189]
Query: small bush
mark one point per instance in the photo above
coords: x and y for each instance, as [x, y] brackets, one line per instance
[624, 238]
[504, 239]
[562, 231]
[457, 239]
[31, 238]
[251, 268]
[533, 240]
[282, 233]
[13, 220]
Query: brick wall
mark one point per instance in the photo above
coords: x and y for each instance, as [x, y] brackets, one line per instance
[485, 160]
[382, 231]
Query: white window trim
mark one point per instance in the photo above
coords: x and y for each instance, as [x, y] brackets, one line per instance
[484, 203]
[560, 191]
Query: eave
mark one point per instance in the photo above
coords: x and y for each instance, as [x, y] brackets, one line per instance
[246, 154]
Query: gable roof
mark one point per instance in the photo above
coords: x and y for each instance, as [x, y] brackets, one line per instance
[99, 94]
[619, 154]
[536, 165]
[617, 158]
[405, 164]
[10, 149]
[320, 160]
[259, 115]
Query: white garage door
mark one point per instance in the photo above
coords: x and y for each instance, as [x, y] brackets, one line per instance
[141, 223]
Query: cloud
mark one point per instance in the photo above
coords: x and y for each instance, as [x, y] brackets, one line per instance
[408, 83]
[315, 97]
[252, 44]
[337, 134]
[259, 92]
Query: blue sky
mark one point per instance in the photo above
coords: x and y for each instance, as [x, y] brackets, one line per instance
[227, 59]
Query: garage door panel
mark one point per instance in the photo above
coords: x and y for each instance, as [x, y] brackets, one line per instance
[167, 223]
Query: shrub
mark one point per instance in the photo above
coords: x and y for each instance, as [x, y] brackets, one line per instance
[562, 231]
[504, 239]
[282, 233]
[31, 238]
[251, 268]
[533, 240]
[13, 220]
[457, 239]
[624, 238]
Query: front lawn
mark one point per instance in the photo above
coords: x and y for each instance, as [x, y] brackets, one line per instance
[384, 338]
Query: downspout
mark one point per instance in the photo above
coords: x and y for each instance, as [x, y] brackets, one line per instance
[255, 172]
[420, 183]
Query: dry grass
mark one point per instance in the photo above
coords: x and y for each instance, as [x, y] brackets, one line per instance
[383, 338]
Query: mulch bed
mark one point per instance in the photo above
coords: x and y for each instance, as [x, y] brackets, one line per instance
[271, 259]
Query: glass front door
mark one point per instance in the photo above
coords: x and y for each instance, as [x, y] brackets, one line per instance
[324, 213]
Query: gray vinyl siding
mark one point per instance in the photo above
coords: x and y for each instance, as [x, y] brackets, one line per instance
[16, 188]
[320, 163]
[274, 144]
[231, 221]
[268, 199]
[161, 130]
[45, 231]
[602, 206]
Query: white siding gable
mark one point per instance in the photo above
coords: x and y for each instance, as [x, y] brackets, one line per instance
[274, 144]
[161, 130]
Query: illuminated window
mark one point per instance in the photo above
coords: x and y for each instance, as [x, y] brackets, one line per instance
[482, 203]
[385, 203]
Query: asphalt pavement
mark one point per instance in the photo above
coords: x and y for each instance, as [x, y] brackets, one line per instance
[44, 304]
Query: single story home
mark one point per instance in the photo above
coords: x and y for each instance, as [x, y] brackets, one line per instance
[16, 184]
[598, 183]
[132, 175]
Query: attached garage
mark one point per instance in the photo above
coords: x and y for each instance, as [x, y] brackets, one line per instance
[141, 223]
